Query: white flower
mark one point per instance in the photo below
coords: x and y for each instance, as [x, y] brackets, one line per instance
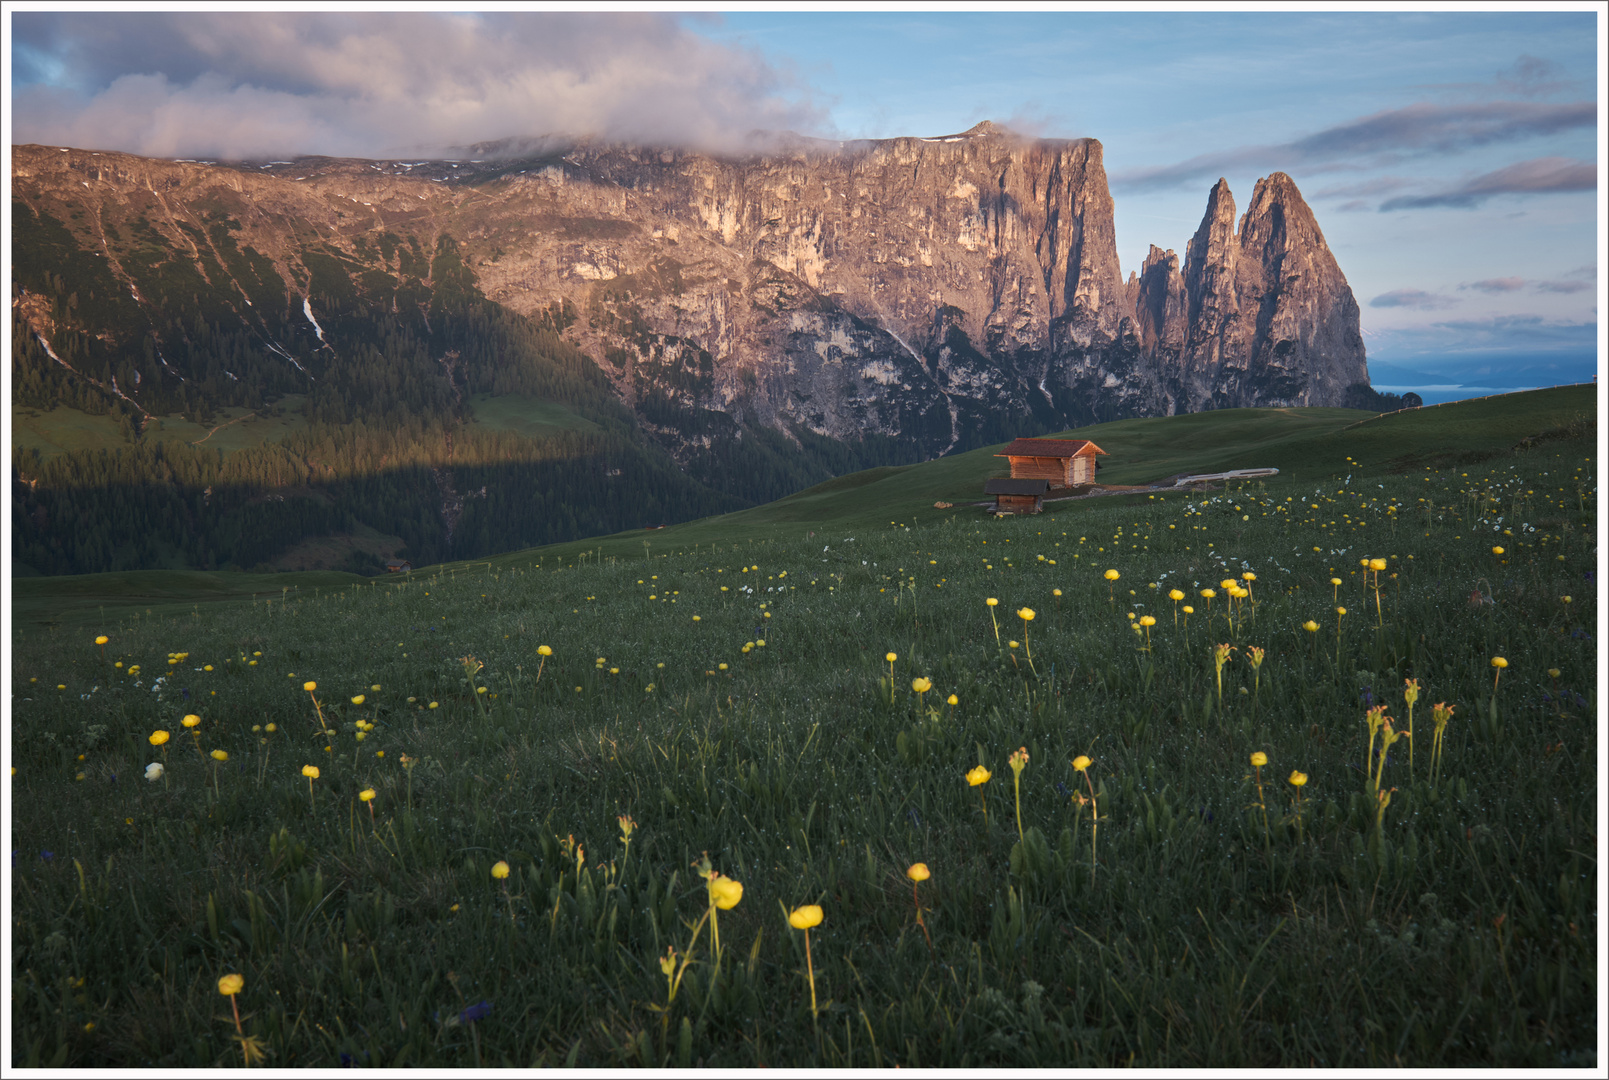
[153, 771]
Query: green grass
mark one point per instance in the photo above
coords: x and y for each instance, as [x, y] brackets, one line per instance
[61, 430]
[526, 416]
[1458, 928]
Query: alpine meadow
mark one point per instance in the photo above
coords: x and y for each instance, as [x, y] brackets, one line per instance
[1298, 772]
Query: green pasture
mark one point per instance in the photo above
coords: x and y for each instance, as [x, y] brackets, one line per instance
[1426, 901]
[526, 416]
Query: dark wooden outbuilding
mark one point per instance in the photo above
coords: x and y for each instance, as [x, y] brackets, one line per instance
[1012, 496]
[1064, 463]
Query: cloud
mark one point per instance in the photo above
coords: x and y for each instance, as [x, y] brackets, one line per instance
[1381, 138]
[1532, 76]
[1412, 298]
[1548, 174]
[1496, 285]
[237, 85]
[1511, 350]
[1568, 286]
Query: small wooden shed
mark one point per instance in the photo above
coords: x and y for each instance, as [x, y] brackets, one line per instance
[1017, 496]
[397, 566]
[1064, 463]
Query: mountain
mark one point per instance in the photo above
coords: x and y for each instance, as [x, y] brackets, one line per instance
[748, 326]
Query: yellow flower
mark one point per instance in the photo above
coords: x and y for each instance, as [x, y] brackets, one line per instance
[1377, 564]
[1553, 673]
[1249, 576]
[157, 738]
[1080, 763]
[191, 720]
[230, 985]
[310, 771]
[1499, 662]
[543, 650]
[1259, 759]
[917, 872]
[891, 657]
[220, 755]
[1228, 584]
[1310, 626]
[1208, 594]
[375, 688]
[803, 918]
[1565, 600]
[358, 700]
[272, 727]
[1147, 620]
[366, 794]
[1335, 581]
[1497, 550]
[978, 775]
[1188, 610]
[1026, 614]
[1112, 575]
[953, 700]
[725, 893]
[435, 705]
[500, 870]
[1055, 592]
[992, 602]
[1175, 595]
[1340, 611]
[1298, 778]
[921, 686]
[310, 686]
[102, 639]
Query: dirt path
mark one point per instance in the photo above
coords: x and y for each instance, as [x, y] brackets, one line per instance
[220, 427]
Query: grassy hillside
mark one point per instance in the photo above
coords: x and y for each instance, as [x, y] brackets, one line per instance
[524, 766]
[1304, 444]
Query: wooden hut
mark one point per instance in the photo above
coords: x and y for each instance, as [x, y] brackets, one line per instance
[1017, 496]
[1064, 463]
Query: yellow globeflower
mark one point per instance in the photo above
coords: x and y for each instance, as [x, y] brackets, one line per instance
[543, 650]
[358, 700]
[220, 755]
[1340, 611]
[1499, 662]
[1112, 575]
[978, 775]
[725, 893]
[1310, 626]
[310, 686]
[992, 602]
[1175, 595]
[1335, 581]
[1080, 763]
[803, 918]
[157, 738]
[1497, 550]
[921, 686]
[918, 872]
[310, 771]
[230, 985]
[1147, 620]
[891, 657]
[1259, 759]
[1377, 564]
[1298, 778]
[366, 794]
[1026, 614]
[1209, 593]
[500, 869]
[191, 720]
[102, 639]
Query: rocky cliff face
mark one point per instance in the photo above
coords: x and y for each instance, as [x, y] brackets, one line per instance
[946, 292]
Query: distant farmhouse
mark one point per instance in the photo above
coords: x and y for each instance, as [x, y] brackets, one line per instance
[1039, 467]
[1064, 462]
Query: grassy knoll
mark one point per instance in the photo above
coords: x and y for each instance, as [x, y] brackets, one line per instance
[1428, 902]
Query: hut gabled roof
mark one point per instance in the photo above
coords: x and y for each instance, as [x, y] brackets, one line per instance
[1051, 448]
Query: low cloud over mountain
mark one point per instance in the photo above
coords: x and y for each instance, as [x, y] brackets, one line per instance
[277, 84]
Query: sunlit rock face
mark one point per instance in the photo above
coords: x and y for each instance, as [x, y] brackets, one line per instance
[948, 292]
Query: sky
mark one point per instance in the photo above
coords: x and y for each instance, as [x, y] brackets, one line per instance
[1451, 157]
